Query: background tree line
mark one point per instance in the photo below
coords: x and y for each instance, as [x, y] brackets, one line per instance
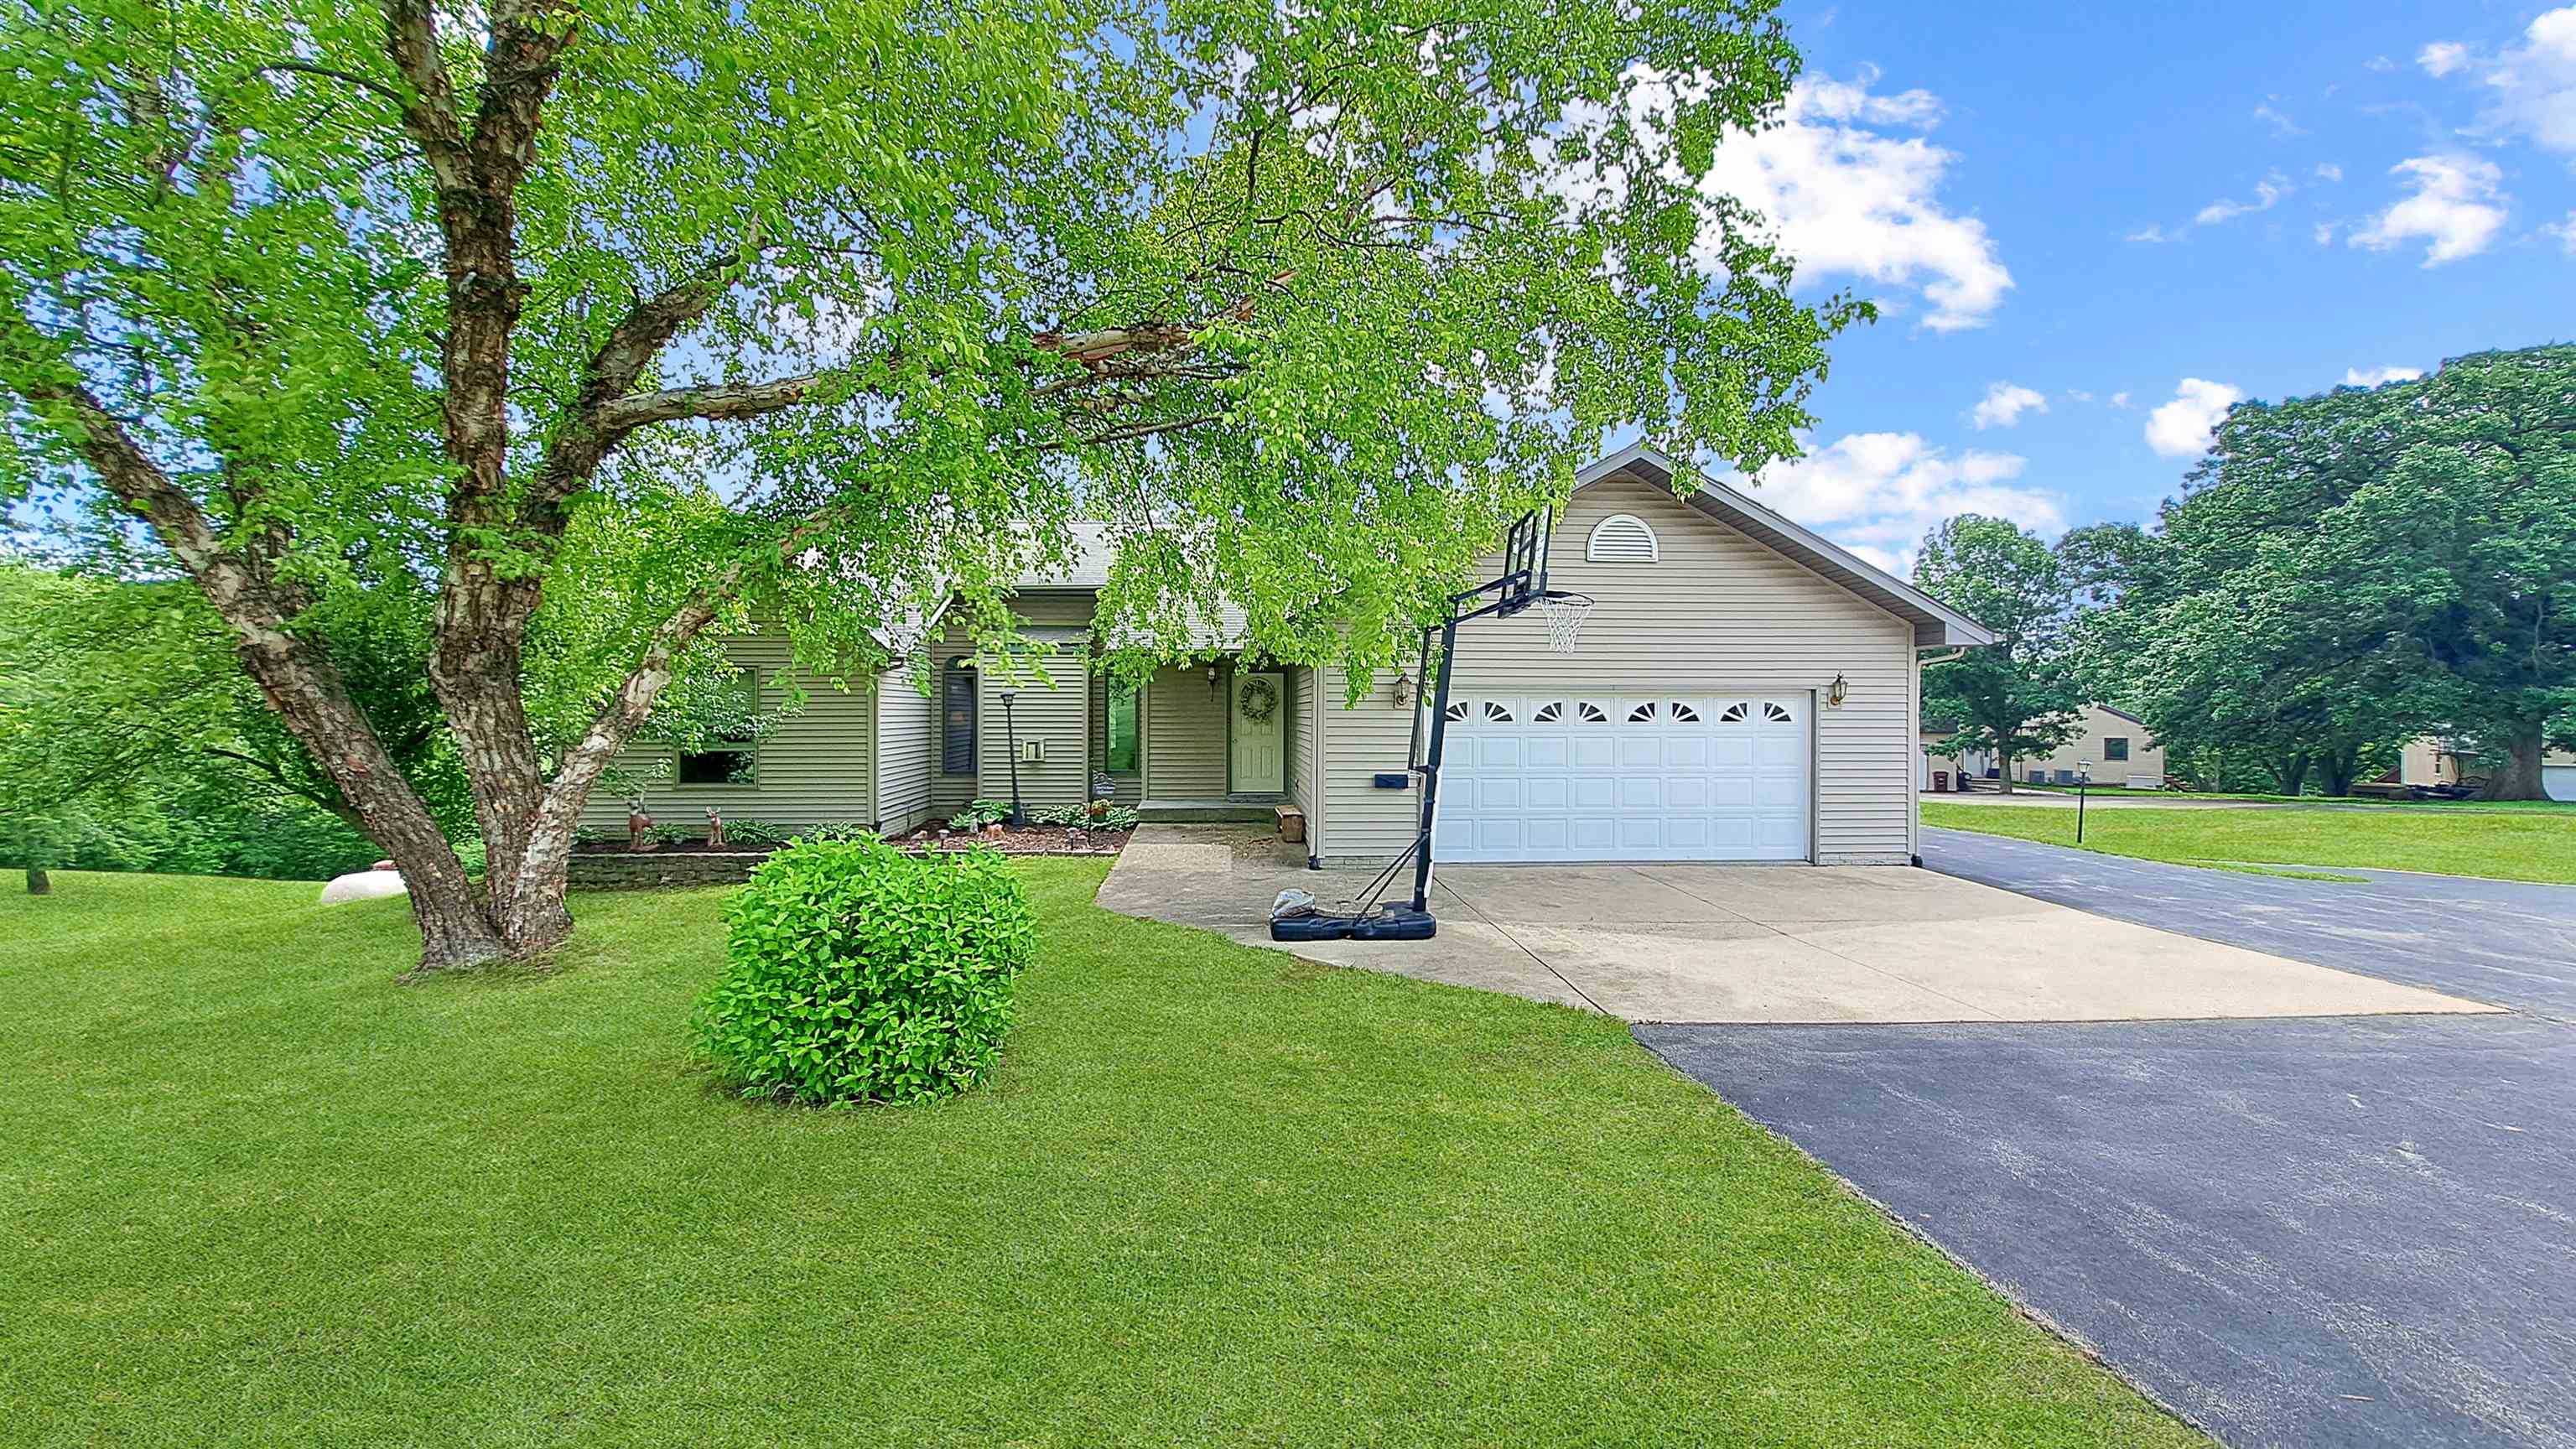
[2342, 574]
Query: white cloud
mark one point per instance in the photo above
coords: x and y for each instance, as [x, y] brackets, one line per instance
[2148, 234]
[2442, 57]
[2535, 82]
[2324, 233]
[1877, 494]
[2328, 171]
[2119, 399]
[2565, 231]
[2281, 125]
[2267, 194]
[2004, 404]
[2077, 394]
[1849, 200]
[2455, 208]
[2379, 63]
[2180, 429]
[2373, 377]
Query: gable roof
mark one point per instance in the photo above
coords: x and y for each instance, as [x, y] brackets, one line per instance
[2122, 713]
[1935, 623]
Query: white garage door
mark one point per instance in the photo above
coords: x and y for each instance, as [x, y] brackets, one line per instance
[1601, 777]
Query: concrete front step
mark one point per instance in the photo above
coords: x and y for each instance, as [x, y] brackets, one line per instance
[1244, 808]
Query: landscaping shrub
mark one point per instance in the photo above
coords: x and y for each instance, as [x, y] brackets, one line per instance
[754, 834]
[979, 815]
[858, 973]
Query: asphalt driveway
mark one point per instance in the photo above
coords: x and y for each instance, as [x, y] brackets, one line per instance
[2335, 1230]
[2504, 942]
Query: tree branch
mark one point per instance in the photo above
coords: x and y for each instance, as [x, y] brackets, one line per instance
[585, 438]
[429, 113]
[719, 402]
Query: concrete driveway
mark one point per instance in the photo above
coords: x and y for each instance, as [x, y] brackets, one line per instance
[1707, 943]
[2333, 1231]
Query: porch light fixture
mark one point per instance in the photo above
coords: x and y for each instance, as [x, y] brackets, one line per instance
[1838, 691]
[1214, 679]
[1403, 689]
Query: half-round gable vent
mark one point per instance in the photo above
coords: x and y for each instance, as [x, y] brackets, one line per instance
[1621, 538]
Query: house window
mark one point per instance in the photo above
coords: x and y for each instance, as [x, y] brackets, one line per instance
[728, 757]
[2115, 747]
[957, 719]
[1120, 752]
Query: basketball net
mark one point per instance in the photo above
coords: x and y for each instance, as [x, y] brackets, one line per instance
[1564, 615]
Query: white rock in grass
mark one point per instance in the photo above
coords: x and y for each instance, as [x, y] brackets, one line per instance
[363, 885]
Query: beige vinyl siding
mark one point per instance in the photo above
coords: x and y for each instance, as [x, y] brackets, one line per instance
[1718, 611]
[1185, 736]
[1036, 609]
[815, 768]
[1363, 824]
[1301, 745]
[907, 742]
[1053, 708]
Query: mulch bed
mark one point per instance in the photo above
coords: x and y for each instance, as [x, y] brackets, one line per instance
[1027, 840]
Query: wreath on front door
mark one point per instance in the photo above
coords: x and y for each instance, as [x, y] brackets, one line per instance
[1259, 700]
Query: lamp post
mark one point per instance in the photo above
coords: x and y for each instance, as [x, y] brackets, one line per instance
[2083, 777]
[1011, 743]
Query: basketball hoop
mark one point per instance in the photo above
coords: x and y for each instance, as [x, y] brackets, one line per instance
[1564, 615]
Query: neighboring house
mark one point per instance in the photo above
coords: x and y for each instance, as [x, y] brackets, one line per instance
[1698, 721]
[2114, 740]
[2433, 760]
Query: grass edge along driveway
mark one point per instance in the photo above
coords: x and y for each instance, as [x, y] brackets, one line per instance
[259, 1194]
[2526, 846]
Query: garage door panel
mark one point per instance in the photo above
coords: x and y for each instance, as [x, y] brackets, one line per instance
[1687, 777]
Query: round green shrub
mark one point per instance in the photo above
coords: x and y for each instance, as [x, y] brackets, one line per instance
[858, 973]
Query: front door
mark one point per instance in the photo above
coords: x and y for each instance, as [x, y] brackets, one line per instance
[1260, 754]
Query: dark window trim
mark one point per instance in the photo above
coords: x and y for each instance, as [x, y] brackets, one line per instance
[749, 748]
[960, 671]
[1108, 692]
[2123, 742]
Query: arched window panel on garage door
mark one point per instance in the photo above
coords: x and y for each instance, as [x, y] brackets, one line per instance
[1575, 779]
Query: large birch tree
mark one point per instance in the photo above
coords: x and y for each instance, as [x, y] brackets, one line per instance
[1305, 300]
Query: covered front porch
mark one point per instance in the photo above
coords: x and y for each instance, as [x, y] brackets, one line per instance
[1220, 740]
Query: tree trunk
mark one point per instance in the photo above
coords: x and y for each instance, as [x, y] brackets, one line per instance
[2338, 766]
[2003, 772]
[2519, 778]
[38, 882]
[2290, 774]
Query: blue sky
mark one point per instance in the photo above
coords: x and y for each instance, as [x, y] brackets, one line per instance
[2097, 212]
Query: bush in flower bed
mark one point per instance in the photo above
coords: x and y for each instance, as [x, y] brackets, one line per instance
[858, 973]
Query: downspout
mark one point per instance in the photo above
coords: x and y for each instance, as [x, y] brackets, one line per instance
[1315, 776]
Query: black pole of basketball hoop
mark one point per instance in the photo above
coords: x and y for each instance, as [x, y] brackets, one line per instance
[1516, 590]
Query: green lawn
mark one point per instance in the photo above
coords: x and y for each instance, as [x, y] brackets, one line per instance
[2534, 845]
[256, 1193]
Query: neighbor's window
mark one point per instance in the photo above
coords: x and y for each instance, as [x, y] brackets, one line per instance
[1121, 751]
[957, 719]
[727, 760]
[2115, 747]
